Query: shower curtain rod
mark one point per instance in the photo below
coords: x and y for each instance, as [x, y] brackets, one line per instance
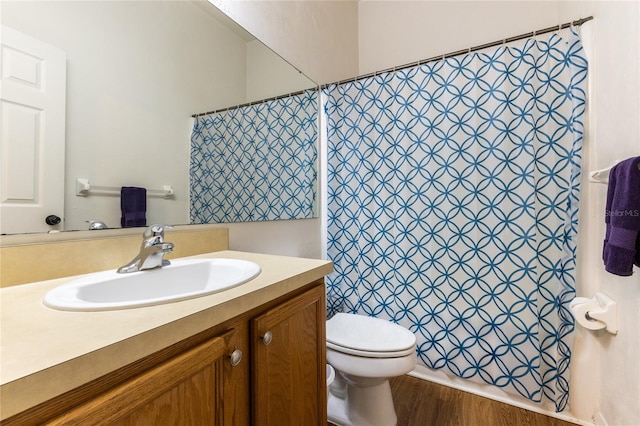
[575, 23]
[300, 92]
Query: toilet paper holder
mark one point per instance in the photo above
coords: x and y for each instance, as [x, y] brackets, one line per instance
[596, 313]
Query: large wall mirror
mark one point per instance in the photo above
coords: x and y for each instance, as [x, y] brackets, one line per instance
[136, 73]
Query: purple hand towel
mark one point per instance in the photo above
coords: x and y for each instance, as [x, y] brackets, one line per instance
[133, 203]
[622, 217]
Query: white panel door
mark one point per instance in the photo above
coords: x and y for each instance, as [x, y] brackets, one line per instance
[32, 126]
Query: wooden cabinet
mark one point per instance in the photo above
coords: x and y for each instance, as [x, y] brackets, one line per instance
[196, 387]
[184, 390]
[194, 382]
[288, 363]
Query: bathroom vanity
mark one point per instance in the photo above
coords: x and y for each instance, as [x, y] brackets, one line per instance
[252, 354]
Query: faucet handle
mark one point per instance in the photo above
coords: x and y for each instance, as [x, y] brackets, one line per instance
[156, 231]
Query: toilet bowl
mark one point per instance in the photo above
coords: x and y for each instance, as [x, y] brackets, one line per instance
[365, 353]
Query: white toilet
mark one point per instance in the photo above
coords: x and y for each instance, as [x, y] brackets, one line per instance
[366, 352]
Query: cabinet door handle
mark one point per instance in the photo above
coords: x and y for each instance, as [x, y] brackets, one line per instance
[235, 357]
[266, 338]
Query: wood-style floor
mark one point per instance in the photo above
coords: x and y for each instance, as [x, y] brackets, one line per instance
[422, 403]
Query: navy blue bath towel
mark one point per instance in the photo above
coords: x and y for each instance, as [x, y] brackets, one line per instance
[133, 203]
[622, 217]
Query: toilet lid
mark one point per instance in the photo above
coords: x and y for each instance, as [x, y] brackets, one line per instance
[367, 334]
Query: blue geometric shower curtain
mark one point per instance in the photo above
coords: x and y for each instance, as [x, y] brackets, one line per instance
[256, 162]
[453, 207]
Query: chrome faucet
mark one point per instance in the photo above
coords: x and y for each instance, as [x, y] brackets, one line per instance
[152, 250]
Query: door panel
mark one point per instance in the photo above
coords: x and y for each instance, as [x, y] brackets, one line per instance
[185, 390]
[287, 371]
[32, 114]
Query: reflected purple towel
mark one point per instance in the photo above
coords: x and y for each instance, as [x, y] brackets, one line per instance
[622, 217]
[133, 203]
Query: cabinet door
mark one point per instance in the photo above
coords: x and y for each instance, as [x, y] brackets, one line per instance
[184, 390]
[288, 364]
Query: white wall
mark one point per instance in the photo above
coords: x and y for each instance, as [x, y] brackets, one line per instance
[269, 75]
[318, 37]
[393, 33]
[614, 133]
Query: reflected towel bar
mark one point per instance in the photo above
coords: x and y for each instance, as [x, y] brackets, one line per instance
[85, 188]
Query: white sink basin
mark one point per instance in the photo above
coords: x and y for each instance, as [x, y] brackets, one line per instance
[183, 279]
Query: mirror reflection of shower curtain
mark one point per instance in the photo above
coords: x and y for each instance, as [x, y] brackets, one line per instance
[452, 208]
[256, 162]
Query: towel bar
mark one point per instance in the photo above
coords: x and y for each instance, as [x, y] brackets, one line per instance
[602, 175]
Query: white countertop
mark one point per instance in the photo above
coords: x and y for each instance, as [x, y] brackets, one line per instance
[46, 352]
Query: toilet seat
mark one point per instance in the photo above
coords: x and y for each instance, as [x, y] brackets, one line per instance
[368, 337]
[368, 354]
